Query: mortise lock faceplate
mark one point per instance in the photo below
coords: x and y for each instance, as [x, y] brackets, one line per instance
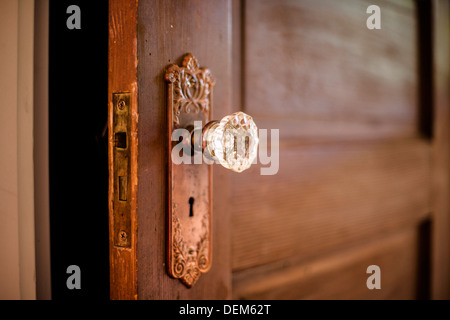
[121, 162]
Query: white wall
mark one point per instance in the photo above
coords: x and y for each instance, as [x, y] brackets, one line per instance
[17, 246]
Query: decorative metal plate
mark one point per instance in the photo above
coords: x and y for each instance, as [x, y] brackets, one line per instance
[189, 243]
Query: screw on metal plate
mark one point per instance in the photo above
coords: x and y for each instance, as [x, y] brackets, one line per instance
[121, 104]
[123, 237]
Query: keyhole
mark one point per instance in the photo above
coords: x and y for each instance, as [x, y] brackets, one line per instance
[191, 203]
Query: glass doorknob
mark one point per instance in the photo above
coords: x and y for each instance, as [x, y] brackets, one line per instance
[232, 141]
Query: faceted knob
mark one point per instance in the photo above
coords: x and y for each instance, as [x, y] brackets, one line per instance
[233, 141]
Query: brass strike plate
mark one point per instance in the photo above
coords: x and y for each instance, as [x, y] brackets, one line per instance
[189, 217]
[121, 162]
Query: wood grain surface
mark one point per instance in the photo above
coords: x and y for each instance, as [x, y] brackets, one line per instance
[354, 164]
[340, 274]
[313, 69]
[167, 30]
[360, 182]
[441, 152]
[122, 78]
[327, 195]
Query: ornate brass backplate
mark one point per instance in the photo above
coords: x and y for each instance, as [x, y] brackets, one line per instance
[189, 239]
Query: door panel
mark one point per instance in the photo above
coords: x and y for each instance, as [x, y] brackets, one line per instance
[326, 196]
[314, 70]
[353, 164]
[340, 275]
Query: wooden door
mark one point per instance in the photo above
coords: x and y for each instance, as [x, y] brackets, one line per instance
[358, 148]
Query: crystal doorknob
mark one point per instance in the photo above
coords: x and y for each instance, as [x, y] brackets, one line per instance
[233, 141]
